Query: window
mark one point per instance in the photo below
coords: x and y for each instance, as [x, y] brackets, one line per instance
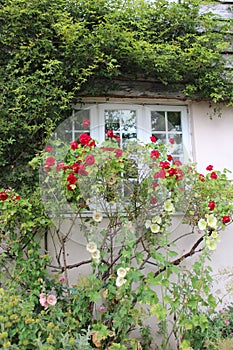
[132, 122]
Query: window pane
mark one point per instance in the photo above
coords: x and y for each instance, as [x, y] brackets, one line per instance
[177, 147]
[174, 121]
[158, 121]
[123, 123]
[160, 137]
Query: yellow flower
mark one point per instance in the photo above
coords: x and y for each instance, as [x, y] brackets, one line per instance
[120, 281]
[148, 223]
[156, 219]
[211, 243]
[121, 272]
[168, 206]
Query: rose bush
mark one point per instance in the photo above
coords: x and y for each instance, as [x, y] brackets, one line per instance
[124, 201]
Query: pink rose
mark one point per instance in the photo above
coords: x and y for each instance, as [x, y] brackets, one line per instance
[82, 170]
[160, 174]
[48, 149]
[86, 123]
[118, 152]
[50, 161]
[89, 160]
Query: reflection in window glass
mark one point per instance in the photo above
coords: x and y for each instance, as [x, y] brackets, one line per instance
[166, 125]
[123, 123]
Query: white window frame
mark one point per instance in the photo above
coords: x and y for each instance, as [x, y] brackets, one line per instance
[143, 121]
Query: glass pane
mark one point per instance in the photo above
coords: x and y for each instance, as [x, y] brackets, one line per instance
[82, 120]
[177, 147]
[160, 137]
[174, 121]
[158, 121]
[123, 123]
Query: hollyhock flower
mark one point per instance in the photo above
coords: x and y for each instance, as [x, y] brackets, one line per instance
[202, 224]
[48, 148]
[3, 195]
[118, 152]
[153, 138]
[50, 161]
[213, 175]
[120, 281]
[168, 206]
[169, 157]
[96, 254]
[209, 167]
[157, 219]
[74, 145]
[121, 272]
[154, 154]
[43, 300]
[226, 219]
[172, 140]
[86, 123]
[89, 160]
[71, 178]
[102, 308]
[110, 133]
[211, 205]
[215, 235]
[148, 224]
[211, 243]
[84, 139]
[91, 247]
[62, 279]
[155, 228]
[97, 216]
[160, 174]
[212, 221]
[227, 322]
[51, 299]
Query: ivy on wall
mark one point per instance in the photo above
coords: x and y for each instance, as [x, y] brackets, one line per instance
[50, 50]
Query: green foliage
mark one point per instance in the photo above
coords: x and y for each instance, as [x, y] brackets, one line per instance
[52, 50]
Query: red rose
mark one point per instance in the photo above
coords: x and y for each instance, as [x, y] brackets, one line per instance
[71, 178]
[172, 140]
[110, 133]
[213, 175]
[209, 167]
[202, 177]
[47, 168]
[118, 152]
[164, 165]
[86, 123]
[73, 145]
[3, 195]
[179, 174]
[48, 149]
[177, 163]
[169, 157]
[84, 139]
[211, 205]
[70, 187]
[153, 200]
[50, 161]
[117, 138]
[172, 171]
[154, 154]
[160, 174]
[89, 160]
[17, 198]
[60, 166]
[153, 138]
[226, 219]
